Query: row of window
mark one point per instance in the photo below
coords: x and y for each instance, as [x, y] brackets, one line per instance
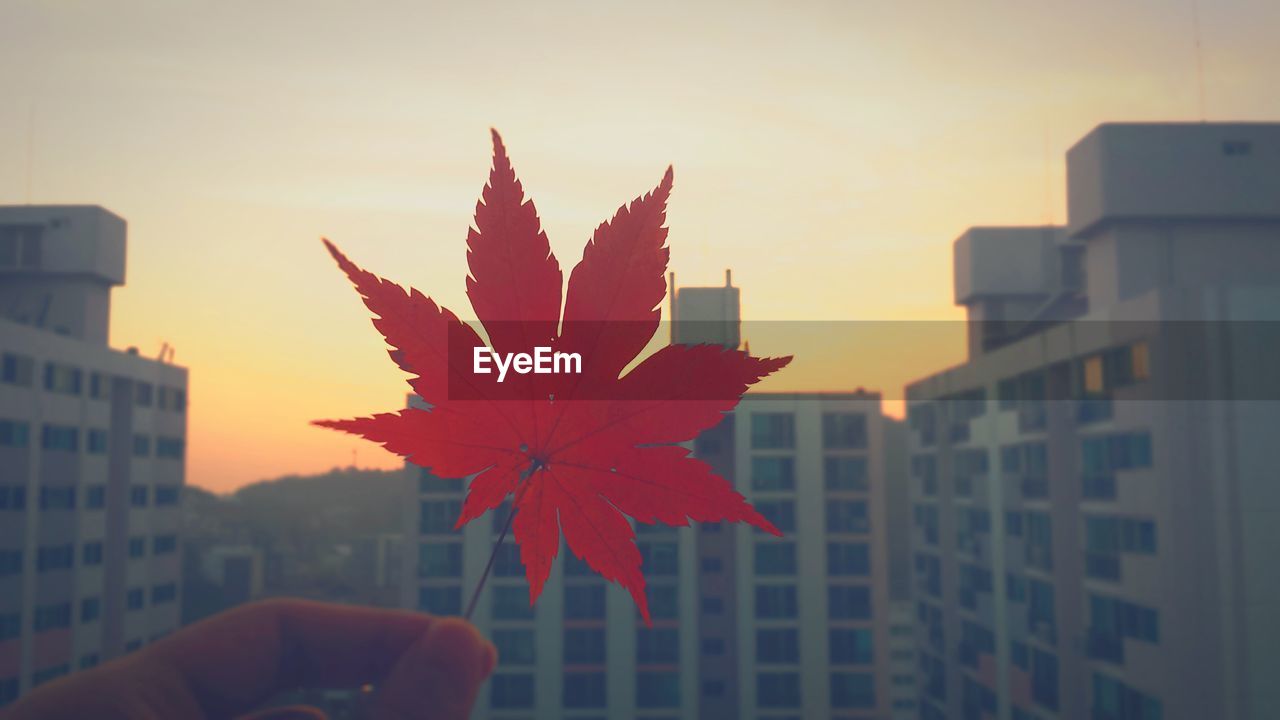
[14, 497]
[67, 438]
[778, 473]
[50, 558]
[777, 431]
[16, 369]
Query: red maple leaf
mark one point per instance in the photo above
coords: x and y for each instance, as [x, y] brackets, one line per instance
[580, 452]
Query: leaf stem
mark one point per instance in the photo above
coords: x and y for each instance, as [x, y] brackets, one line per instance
[506, 528]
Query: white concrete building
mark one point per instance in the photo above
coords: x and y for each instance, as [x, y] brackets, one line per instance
[1094, 490]
[744, 625]
[92, 445]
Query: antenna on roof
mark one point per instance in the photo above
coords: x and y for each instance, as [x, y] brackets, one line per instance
[31, 129]
[1195, 32]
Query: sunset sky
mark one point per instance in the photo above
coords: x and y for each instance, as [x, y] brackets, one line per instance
[828, 152]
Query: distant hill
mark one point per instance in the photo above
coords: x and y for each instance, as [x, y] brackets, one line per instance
[301, 511]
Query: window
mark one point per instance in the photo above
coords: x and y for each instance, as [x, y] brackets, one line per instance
[52, 617]
[20, 245]
[657, 689]
[845, 473]
[1039, 541]
[712, 605]
[782, 513]
[89, 660]
[91, 609]
[847, 516]
[138, 495]
[17, 370]
[714, 564]
[775, 601]
[773, 473]
[99, 386]
[10, 626]
[41, 677]
[440, 600]
[436, 517]
[1114, 699]
[584, 602]
[164, 593]
[137, 546]
[511, 602]
[1044, 679]
[844, 559]
[515, 647]
[9, 685]
[849, 602]
[57, 498]
[168, 495]
[10, 562]
[1104, 455]
[428, 483]
[657, 646]
[55, 557]
[64, 379]
[141, 446]
[847, 431]
[60, 438]
[778, 690]
[851, 646]
[14, 434]
[778, 645]
[96, 442]
[143, 394]
[663, 602]
[95, 497]
[440, 560]
[91, 553]
[13, 497]
[164, 544]
[775, 558]
[712, 646]
[511, 691]
[169, 447]
[853, 690]
[135, 599]
[658, 558]
[583, 646]
[584, 690]
[773, 431]
[713, 688]
[170, 398]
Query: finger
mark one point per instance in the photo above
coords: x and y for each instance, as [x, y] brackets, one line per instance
[438, 677]
[232, 662]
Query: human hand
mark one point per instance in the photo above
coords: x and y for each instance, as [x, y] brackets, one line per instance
[423, 666]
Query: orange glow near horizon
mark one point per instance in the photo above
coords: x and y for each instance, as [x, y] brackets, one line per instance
[827, 152]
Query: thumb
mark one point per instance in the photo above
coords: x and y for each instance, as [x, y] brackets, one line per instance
[438, 676]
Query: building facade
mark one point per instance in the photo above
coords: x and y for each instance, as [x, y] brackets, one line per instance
[745, 625]
[92, 446]
[1094, 498]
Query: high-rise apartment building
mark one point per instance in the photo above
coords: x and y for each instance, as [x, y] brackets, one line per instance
[92, 445]
[1094, 500]
[745, 625]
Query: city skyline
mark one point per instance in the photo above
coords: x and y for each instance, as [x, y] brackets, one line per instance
[383, 148]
